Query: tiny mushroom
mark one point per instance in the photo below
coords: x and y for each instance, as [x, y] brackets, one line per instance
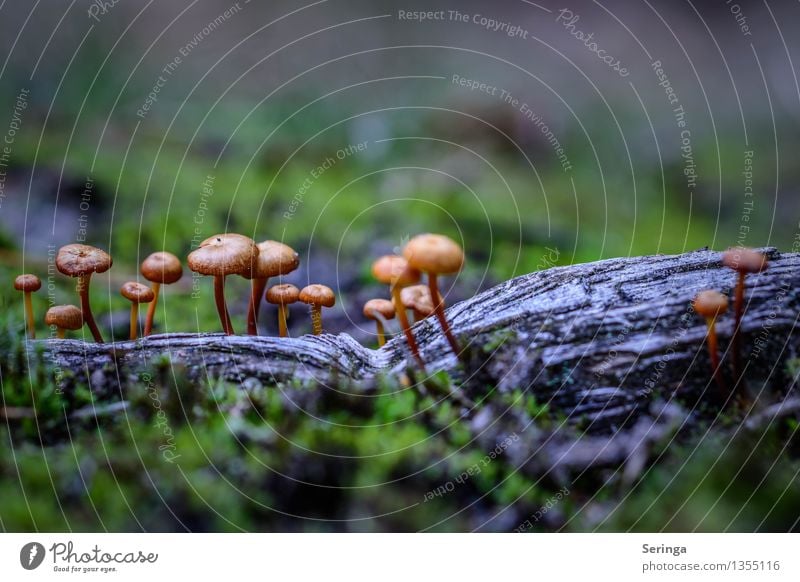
[222, 255]
[282, 295]
[317, 296]
[435, 255]
[417, 298]
[274, 259]
[81, 261]
[397, 273]
[160, 269]
[744, 261]
[379, 310]
[136, 293]
[28, 284]
[64, 317]
[710, 305]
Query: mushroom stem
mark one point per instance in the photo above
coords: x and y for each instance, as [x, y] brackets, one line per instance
[713, 352]
[83, 293]
[316, 319]
[61, 332]
[282, 330]
[381, 334]
[222, 309]
[257, 287]
[438, 309]
[403, 317]
[738, 314]
[134, 320]
[29, 315]
[151, 310]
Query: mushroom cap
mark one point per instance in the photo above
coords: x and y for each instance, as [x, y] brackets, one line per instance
[224, 254]
[162, 267]
[395, 271]
[710, 303]
[418, 298]
[434, 253]
[274, 259]
[318, 295]
[282, 294]
[64, 316]
[77, 260]
[27, 283]
[744, 260]
[383, 307]
[137, 293]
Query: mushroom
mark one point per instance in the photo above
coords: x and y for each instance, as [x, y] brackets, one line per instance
[81, 261]
[710, 305]
[379, 310]
[743, 261]
[136, 293]
[64, 317]
[397, 273]
[435, 255]
[282, 295]
[274, 259]
[160, 269]
[28, 284]
[222, 255]
[317, 296]
[417, 298]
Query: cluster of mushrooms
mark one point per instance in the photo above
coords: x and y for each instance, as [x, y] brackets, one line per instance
[711, 304]
[228, 254]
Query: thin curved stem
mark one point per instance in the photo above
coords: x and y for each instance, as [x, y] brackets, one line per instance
[257, 287]
[88, 318]
[438, 309]
[282, 329]
[402, 316]
[151, 310]
[134, 320]
[736, 342]
[713, 352]
[222, 309]
[29, 315]
[381, 334]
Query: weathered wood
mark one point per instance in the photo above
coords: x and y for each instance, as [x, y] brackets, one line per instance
[598, 340]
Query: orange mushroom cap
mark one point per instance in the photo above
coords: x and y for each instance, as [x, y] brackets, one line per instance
[744, 260]
[137, 293]
[318, 295]
[77, 260]
[382, 307]
[395, 271]
[274, 259]
[710, 303]
[64, 316]
[224, 254]
[283, 294]
[162, 267]
[27, 283]
[434, 253]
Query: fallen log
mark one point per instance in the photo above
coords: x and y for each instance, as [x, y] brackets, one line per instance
[598, 340]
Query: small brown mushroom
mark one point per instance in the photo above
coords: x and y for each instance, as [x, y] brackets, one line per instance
[417, 298]
[81, 261]
[395, 271]
[435, 255]
[160, 269]
[28, 284]
[317, 296]
[136, 293]
[64, 317]
[379, 310]
[743, 261]
[219, 256]
[710, 305]
[282, 295]
[274, 259]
